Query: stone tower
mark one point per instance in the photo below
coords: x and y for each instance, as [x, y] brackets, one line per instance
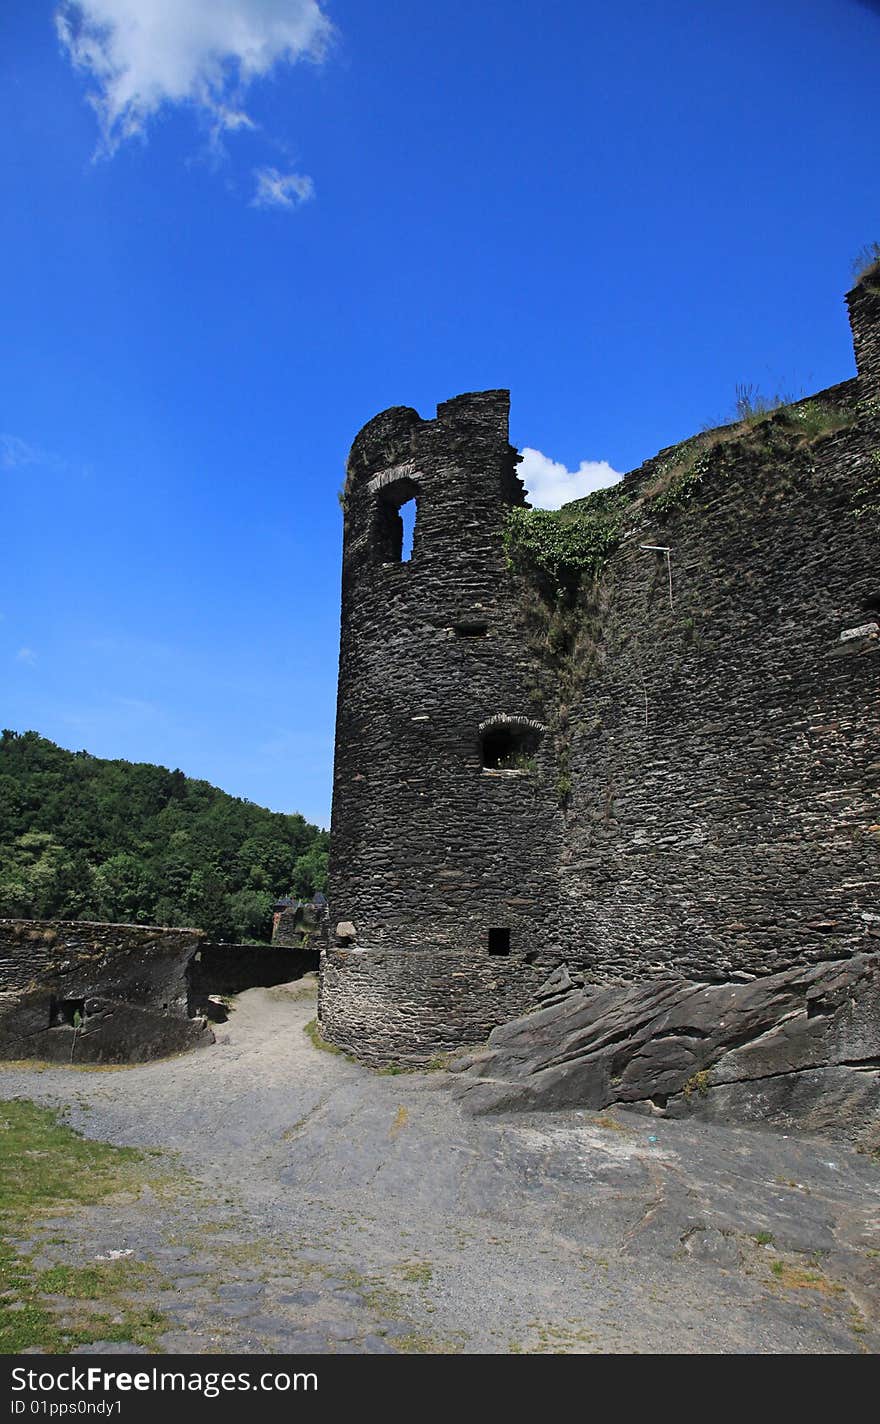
[446, 831]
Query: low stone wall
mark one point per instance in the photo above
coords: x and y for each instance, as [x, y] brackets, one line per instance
[408, 1006]
[231, 968]
[75, 992]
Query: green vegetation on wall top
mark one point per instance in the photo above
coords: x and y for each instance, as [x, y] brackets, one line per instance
[866, 260]
[559, 547]
[564, 544]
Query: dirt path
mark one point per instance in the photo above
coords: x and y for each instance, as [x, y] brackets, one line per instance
[327, 1207]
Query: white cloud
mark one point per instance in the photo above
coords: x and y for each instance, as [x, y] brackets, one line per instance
[142, 55]
[281, 190]
[15, 452]
[26, 655]
[549, 484]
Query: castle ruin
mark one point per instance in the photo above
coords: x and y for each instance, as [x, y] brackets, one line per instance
[667, 764]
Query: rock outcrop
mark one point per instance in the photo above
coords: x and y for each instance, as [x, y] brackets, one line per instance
[799, 1049]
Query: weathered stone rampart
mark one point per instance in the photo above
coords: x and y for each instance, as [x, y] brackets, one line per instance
[232, 968]
[685, 783]
[75, 992]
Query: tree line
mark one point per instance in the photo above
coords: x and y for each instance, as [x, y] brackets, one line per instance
[84, 838]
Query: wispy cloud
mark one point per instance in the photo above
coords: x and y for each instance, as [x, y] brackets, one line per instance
[281, 190]
[549, 484]
[15, 453]
[26, 656]
[143, 56]
[19, 454]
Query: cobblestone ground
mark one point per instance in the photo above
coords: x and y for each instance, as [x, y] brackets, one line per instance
[309, 1205]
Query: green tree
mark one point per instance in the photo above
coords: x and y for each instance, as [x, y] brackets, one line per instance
[81, 837]
[310, 870]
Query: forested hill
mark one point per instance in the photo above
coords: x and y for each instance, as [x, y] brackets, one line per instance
[84, 838]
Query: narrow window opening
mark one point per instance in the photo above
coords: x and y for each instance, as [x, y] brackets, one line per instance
[407, 514]
[66, 1013]
[499, 941]
[507, 748]
[472, 628]
[396, 518]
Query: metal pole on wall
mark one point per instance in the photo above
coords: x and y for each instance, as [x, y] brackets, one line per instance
[662, 549]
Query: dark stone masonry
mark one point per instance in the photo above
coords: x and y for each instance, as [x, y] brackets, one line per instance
[690, 791]
[74, 992]
[231, 968]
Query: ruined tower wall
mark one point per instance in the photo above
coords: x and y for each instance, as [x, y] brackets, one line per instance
[430, 849]
[864, 315]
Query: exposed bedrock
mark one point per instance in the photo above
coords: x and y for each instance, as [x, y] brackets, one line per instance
[799, 1050]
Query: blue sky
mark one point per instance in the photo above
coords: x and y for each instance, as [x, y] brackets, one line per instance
[234, 230]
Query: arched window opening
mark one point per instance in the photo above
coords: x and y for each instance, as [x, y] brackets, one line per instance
[396, 517]
[509, 745]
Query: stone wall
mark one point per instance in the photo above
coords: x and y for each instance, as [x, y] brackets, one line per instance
[723, 819]
[96, 993]
[231, 968]
[285, 930]
[409, 1005]
[303, 925]
[725, 756]
[864, 314]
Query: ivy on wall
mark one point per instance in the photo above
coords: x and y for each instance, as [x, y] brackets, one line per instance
[560, 546]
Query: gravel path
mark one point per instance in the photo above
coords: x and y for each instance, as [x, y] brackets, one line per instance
[325, 1207]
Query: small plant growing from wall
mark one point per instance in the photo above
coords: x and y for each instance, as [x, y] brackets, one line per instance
[752, 405]
[867, 260]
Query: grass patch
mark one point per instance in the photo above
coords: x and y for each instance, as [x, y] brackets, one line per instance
[420, 1273]
[867, 260]
[610, 1124]
[401, 1118]
[771, 429]
[797, 1278]
[567, 1338]
[416, 1344]
[312, 1030]
[46, 1167]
